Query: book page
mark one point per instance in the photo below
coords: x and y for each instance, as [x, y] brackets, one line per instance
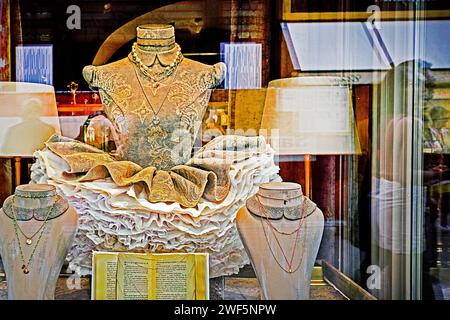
[104, 275]
[135, 276]
[172, 277]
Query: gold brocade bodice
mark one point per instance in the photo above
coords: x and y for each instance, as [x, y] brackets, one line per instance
[157, 128]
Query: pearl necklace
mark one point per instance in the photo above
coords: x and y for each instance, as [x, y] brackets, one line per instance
[156, 76]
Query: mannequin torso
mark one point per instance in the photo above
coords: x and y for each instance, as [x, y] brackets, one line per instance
[157, 123]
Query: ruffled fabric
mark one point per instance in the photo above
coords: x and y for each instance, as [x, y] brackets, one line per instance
[117, 214]
[206, 176]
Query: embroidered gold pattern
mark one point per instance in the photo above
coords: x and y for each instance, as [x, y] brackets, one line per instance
[155, 144]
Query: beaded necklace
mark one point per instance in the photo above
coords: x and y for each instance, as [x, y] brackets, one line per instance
[149, 72]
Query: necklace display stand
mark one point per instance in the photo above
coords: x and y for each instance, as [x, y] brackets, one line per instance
[282, 251]
[33, 246]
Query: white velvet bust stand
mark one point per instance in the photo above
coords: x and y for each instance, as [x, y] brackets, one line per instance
[40, 283]
[277, 284]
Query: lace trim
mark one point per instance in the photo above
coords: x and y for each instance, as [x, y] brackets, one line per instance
[26, 214]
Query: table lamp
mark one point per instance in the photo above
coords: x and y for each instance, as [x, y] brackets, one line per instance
[309, 116]
[28, 117]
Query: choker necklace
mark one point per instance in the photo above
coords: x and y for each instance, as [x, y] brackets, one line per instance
[26, 264]
[149, 72]
[59, 207]
[253, 204]
[35, 194]
[272, 228]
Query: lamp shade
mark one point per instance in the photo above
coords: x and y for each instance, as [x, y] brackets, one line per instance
[310, 115]
[28, 117]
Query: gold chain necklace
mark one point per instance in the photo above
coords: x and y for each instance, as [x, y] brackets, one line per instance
[297, 232]
[26, 265]
[155, 120]
[29, 239]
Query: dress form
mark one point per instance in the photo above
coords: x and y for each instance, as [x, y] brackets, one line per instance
[48, 259]
[157, 114]
[276, 283]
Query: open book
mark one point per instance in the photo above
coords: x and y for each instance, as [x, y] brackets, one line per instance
[150, 276]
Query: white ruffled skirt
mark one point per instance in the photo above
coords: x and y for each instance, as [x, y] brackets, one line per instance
[113, 218]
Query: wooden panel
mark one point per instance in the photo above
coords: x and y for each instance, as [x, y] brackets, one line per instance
[5, 54]
[286, 66]
[325, 184]
[250, 22]
[5, 75]
[293, 172]
[248, 106]
[323, 10]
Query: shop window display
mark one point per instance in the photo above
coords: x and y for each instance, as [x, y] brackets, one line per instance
[293, 144]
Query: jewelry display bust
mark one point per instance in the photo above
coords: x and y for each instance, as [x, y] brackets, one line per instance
[156, 98]
[282, 248]
[37, 228]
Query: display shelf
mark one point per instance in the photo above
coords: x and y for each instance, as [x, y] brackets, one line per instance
[236, 288]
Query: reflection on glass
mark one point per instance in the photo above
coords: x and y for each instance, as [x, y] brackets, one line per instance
[28, 117]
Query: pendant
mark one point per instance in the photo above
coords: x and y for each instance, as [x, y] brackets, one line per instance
[156, 120]
[154, 88]
[25, 269]
[29, 242]
[290, 270]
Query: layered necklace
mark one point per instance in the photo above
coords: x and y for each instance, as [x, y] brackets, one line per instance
[155, 76]
[155, 119]
[275, 232]
[156, 79]
[26, 263]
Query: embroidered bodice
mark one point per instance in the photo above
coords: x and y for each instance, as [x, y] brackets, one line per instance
[157, 128]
